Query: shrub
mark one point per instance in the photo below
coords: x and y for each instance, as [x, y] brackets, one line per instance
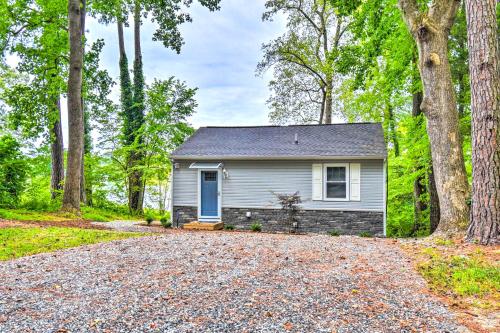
[165, 221]
[149, 217]
[334, 233]
[365, 234]
[256, 227]
[229, 227]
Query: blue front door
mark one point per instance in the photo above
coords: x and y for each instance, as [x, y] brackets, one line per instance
[209, 194]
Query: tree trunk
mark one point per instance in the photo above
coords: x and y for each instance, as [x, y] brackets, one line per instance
[392, 129]
[322, 110]
[435, 213]
[83, 182]
[71, 199]
[136, 188]
[418, 184]
[57, 154]
[484, 66]
[328, 101]
[430, 31]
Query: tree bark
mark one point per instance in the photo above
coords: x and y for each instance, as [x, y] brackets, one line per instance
[430, 31]
[328, 101]
[418, 184]
[484, 67]
[435, 213]
[57, 154]
[83, 181]
[71, 199]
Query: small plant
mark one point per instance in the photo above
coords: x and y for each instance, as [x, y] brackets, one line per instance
[444, 242]
[365, 234]
[256, 227]
[165, 222]
[334, 233]
[149, 218]
[229, 227]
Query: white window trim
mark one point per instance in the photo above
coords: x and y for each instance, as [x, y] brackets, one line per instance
[347, 173]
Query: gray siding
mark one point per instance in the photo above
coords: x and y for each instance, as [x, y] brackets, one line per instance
[251, 184]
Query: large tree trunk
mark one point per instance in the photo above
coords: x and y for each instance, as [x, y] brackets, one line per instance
[71, 199]
[136, 188]
[83, 181]
[430, 31]
[484, 65]
[57, 154]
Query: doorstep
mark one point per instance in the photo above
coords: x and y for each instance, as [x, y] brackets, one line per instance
[196, 225]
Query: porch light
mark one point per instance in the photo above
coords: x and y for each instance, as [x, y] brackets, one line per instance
[225, 173]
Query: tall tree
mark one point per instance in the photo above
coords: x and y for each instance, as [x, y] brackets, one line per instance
[316, 34]
[136, 121]
[430, 28]
[484, 64]
[35, 32]
[168, 15]
[71, 198]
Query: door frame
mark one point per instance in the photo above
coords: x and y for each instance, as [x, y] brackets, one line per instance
[219, 197]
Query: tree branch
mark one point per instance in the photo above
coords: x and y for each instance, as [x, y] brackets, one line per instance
[410, 12]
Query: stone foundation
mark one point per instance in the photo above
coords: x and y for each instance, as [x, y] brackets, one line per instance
[314, 221]
[184, 215]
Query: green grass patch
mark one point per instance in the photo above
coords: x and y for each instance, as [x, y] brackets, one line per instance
[463, 275]
[105, 215]
[88, 213]
[29, 215]
[18, 242]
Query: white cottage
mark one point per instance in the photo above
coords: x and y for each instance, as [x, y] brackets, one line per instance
[232, 174]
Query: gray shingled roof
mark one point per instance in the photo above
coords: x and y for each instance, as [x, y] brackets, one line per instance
[336, 140]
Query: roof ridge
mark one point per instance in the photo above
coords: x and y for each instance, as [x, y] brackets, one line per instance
[296, 125]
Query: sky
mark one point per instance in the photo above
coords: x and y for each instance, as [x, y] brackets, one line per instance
[219, 57]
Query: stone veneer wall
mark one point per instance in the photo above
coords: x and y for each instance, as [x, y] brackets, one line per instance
[315, 221]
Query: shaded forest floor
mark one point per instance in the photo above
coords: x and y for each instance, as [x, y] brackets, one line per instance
[465, 276]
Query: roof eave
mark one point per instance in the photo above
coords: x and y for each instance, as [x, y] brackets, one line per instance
[305, 157]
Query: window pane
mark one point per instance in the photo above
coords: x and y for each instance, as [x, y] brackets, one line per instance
[210, 176]
[336, 190]
[335, 173]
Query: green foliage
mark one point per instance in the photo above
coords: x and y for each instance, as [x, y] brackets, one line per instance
[165, 221]
[334, 233]
[256, 227]
[365, 234]
[229, 227]
[18, 242]
[13, 171]
[149, 217]
[461, 275]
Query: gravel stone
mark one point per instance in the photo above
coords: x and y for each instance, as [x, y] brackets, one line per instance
[221, 282]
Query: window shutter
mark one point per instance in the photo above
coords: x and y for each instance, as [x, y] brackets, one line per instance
[355, 180]
[317, 182]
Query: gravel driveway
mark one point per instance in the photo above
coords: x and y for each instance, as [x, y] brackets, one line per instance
[220, 282]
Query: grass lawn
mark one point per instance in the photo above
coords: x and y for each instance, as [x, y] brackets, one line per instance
[88, 213]
[18, 242]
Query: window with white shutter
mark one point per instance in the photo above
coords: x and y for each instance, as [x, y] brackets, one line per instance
[336, 181]
[355, 180]
[317, 182]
